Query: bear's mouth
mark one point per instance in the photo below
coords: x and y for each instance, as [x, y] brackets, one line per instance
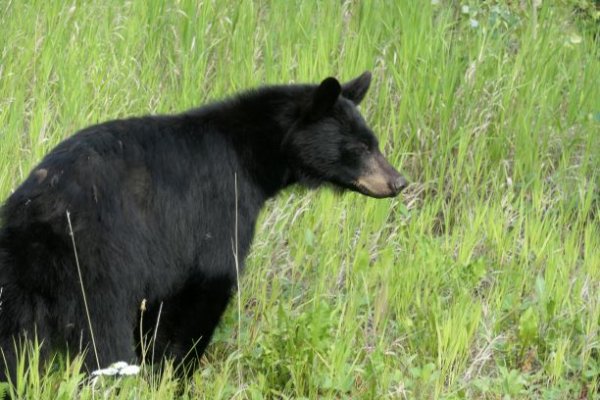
[367, 191]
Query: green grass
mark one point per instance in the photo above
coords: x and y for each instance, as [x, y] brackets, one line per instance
[482, 281]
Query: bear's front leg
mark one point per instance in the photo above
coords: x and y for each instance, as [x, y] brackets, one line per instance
[111, 322]
[187, 320]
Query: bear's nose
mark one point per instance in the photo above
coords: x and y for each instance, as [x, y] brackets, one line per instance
[399, 184]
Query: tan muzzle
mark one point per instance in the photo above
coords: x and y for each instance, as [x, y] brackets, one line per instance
[379, 178]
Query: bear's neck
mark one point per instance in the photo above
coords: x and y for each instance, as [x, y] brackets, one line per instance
[255, 123]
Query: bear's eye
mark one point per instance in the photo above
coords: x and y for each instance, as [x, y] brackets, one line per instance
[360, 148]
[364, 146]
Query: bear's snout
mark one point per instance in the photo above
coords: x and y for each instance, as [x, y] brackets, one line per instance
[380, 178]
[399, 184]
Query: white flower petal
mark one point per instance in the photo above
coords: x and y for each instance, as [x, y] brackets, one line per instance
[105, 372]
[129, 370]
[119, 365]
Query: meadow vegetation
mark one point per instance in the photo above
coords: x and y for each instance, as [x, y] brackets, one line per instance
[482, 281]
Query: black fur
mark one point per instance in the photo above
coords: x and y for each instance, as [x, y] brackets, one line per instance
[152, 205]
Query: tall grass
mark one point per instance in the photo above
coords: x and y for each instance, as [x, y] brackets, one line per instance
[481, 282]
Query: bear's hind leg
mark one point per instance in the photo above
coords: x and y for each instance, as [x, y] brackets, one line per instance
[8, 359]
[23, 324]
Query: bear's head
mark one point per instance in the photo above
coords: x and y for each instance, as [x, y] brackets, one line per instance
[331, 142]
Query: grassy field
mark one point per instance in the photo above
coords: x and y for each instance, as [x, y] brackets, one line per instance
[481, 281]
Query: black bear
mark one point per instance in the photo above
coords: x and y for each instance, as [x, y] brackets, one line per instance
[145, 208]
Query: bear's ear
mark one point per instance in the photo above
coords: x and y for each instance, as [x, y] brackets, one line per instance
[356, 89]
[326, 95]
